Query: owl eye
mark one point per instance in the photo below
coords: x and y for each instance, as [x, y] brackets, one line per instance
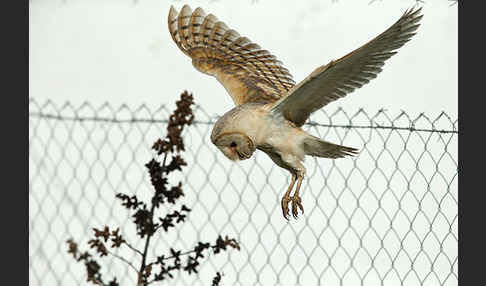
[233, 144]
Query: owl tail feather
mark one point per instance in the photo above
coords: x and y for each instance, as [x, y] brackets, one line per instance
[314, 146]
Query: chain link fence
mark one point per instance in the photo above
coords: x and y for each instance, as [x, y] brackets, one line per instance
[385, 217]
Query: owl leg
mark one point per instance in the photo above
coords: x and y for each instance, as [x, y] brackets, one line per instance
[294, 166]
[286, 198]
[296, 200]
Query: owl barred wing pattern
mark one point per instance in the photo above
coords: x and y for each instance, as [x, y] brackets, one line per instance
[247, 72]
[338, 78]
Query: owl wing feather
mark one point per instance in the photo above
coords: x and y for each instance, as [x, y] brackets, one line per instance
[247, 72]
[338, 78]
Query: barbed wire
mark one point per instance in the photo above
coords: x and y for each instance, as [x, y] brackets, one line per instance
[148, 120]
[212, 119]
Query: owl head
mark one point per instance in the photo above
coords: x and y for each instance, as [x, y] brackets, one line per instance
[235, 145]
[232, 134]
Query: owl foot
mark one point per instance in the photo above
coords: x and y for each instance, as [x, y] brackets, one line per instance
[296, 202]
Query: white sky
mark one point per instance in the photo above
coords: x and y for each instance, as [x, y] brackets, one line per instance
[121, 52]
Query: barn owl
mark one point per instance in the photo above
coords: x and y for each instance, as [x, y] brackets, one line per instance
[270, 108]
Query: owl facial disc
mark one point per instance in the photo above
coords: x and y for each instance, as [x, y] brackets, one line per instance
[236, 146]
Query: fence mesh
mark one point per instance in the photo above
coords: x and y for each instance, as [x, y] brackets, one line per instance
[385, 217]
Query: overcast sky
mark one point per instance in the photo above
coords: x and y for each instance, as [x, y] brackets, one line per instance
[121, 52]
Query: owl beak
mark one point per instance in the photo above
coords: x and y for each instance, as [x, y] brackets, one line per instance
[236, 153]
[240, 155]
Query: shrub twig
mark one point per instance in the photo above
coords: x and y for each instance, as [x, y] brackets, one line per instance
[146, 221]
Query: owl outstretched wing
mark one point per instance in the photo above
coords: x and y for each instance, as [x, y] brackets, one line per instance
[338, 78]
[247, 72]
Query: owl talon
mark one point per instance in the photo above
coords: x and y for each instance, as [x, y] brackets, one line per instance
[285, 207]
[296, 202]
